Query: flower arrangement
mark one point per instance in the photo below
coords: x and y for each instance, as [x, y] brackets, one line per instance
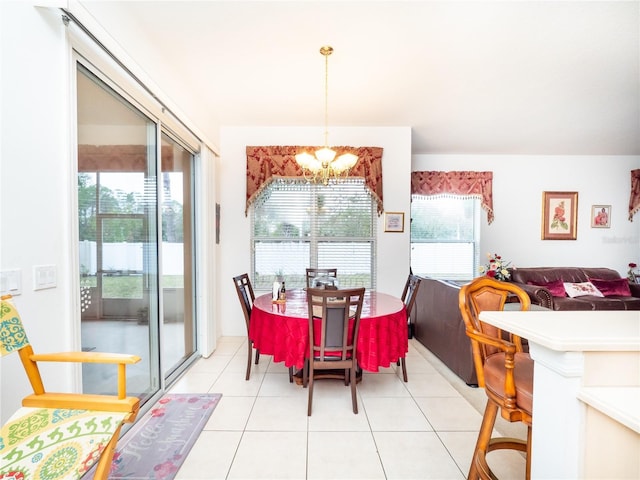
[631, 274]
[496, 267]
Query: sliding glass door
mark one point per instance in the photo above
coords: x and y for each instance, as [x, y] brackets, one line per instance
[177, 278]
[135, 218]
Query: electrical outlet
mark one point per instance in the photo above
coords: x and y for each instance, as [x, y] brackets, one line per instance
[11, 282]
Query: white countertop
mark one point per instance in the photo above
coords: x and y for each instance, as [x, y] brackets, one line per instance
[572, 330]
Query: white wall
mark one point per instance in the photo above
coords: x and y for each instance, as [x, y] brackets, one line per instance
[35, 187]
[518, 183]
[393, 248]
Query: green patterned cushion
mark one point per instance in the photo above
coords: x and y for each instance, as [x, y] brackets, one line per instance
[12, 334]
[54, 444]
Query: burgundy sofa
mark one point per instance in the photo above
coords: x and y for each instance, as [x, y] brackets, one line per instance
[532, 279]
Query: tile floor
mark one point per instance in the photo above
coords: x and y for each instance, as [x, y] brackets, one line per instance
[423, 429]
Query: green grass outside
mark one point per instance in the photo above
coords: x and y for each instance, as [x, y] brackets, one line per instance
[130, 286]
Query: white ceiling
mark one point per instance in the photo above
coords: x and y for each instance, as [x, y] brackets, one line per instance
[474, 77]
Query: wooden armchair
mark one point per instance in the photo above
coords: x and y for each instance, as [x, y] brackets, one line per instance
[60, 435]
[503, 370]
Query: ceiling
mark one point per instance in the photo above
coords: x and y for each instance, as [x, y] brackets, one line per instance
[474, 77]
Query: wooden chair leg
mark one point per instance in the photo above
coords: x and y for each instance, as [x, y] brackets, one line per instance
[354, 395]
[104, 464]
[484, 437]
[290, 374]
[249, 355]
[404, 369]
[305, 374]
[310, 383]
[257, 355]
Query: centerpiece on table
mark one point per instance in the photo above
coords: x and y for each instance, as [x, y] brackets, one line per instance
[632, 274]
[496, 268]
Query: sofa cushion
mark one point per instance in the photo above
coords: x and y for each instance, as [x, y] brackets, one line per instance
[618, 287]
[556, 288]
[540, 275]
[581, 289]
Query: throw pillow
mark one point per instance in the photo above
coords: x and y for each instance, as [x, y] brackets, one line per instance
[581, 289]
[556, 288]
[618, 287]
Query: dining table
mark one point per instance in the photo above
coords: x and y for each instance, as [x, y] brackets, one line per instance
[282, 329]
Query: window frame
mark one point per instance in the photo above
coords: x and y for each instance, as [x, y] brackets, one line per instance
[475, 242]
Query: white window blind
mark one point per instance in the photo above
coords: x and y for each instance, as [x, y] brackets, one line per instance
[445, 236]
[296, 225]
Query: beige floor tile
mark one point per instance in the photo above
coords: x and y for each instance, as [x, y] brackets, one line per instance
[234, 384]
[278, 385]
[430, 385]
[450, 413]
[194, 383]
[201, 464]
[395, 414]
[213, 364]
[346, 455]
[231, 413]
[287, 414]
[382, 385]
[270, 455]
[415, 455]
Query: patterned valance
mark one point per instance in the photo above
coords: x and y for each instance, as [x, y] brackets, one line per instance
[266, 163]
[634, 199]
[475, 184]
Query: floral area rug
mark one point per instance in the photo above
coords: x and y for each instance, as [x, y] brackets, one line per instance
[159, 442]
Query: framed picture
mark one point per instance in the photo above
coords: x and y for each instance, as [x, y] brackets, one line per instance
[559, 215]
[600, 216]
[394, 222]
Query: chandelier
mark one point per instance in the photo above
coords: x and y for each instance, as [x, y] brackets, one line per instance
[324, 165]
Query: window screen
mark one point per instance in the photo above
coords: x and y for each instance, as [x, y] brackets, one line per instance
[298, 225]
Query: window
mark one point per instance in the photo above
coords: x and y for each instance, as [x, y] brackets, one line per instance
[298, 225]
[445, 233]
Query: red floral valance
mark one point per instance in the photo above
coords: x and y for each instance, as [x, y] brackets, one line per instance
[266, 163]
[477, 184]
[634, 199]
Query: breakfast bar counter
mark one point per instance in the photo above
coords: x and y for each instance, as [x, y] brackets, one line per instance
[586, 375]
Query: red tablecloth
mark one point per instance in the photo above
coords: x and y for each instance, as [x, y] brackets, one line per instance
[281, 330]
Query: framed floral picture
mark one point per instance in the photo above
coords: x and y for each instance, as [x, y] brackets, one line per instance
[394, 222]
[559, 215]
[600, 216]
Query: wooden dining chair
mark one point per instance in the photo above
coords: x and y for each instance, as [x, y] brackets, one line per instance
[246, 297]
[334, 322]
[57, 434]
[409, 299]
[504, 370]
[314, 272]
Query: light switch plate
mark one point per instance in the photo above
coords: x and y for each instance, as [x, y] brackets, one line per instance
[44, 276]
